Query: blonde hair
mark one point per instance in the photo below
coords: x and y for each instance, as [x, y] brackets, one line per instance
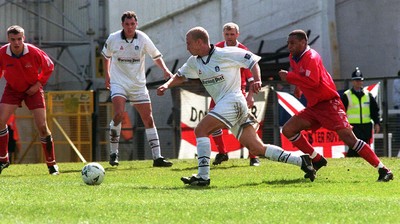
[199, 32]
[230, 26]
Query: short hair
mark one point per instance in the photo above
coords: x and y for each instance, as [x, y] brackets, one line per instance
[199, 32]
[299, 34]
[230, 26]
[129, 15]
[15, 29]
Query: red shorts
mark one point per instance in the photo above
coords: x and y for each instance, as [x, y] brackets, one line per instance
[13, 97]
[328, 114]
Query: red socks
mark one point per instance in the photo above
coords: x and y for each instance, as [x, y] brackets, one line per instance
[365, 151]
[301, 143]
[219, 142]
[48, 149]
[4, 145]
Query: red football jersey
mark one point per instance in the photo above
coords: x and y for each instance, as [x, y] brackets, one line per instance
[310, 76]
[24, 71]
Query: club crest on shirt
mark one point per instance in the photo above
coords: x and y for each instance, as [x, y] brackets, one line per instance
[217, 69]
[136, 47]
[121, 48]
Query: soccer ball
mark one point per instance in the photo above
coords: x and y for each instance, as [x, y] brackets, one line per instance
[93, 174]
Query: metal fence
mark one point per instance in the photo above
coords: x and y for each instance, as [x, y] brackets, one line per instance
[79, 123]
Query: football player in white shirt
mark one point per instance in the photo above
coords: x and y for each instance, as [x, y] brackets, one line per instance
[219, 71]
[125, 52]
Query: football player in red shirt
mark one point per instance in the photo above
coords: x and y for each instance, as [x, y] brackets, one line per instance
[231, 33]
[324, 107]
[26, 69]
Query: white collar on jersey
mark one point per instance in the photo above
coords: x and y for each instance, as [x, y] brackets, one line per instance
[24, 52]
[237, 44]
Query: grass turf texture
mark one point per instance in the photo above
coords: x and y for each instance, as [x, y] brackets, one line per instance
[345, 191]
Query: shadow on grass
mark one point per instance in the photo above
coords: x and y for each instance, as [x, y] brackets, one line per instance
[212, 168]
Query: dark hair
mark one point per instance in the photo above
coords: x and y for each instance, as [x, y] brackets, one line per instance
[129, 15]
[15, 29]
[300, 34]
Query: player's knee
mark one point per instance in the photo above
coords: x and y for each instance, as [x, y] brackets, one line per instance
[200, 132]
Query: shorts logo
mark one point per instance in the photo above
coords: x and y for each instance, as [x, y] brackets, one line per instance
[217, 69]
[247, 56]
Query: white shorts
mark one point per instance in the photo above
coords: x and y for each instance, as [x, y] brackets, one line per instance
[233, 112]
[134, 96]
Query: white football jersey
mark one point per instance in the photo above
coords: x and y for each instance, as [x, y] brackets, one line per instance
[128, 58]
[220, 70]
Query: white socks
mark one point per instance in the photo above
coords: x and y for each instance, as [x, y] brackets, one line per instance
[203, 157]
[154, 142]
[115, 132]
[276, 153]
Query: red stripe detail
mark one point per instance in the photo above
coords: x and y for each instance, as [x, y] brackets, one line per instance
[294, 110]
[370, 87]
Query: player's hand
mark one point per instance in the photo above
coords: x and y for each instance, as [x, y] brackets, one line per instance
[161, 89]
[107, 81]
[283, 74]
[377, 128]
[167, 75]
[297, 92]
[33, 89]
[256, 86]
[250, 102]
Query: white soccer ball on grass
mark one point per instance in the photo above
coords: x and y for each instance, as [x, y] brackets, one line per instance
[93, 173]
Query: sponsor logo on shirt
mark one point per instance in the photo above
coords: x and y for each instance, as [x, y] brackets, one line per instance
[28, 65]
[128, 60]
[213, 80]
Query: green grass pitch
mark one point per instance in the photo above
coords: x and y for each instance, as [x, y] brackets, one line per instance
[345, 191]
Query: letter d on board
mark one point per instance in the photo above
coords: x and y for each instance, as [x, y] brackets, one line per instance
[193, 114]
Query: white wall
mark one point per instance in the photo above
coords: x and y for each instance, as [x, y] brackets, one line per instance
[362, 33]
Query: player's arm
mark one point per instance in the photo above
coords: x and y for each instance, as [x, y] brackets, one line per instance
[161, 64]
[255, 70]
[174, 81]
[106, 67]
[46, 68]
